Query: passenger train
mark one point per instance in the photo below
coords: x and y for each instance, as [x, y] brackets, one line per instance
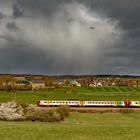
[75, 103]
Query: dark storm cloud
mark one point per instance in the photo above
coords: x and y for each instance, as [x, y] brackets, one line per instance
[125, 11]
[55, 37]
[11, 26]
[1, 16]
[16, 11]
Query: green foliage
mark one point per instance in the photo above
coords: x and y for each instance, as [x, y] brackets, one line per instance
[49, 82]
[8, 88]
[23, 105]
[22, 88]
[63, 111]
[73, 91]
[42, 115]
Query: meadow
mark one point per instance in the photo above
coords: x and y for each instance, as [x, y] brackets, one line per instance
[73, 93]
[79, 126]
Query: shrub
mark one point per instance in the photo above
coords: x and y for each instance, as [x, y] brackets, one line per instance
[63, 111]
[42, 115]
[22, 87]
[23, 105]
[74, 91]
[11, 111]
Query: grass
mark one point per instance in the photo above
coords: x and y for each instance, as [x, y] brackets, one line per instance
[79, 126]
[80, 93]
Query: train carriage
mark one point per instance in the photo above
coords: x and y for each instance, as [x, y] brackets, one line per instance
[100, 103]
[121, 103]
[134, 104]
[75, 103]
[59, 103]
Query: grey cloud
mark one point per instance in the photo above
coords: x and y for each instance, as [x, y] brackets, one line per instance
[16, 11]
[11, 26]
[1, 16]
[55, 37]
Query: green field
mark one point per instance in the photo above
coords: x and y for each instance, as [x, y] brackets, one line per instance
[79, 126]
[80, 93]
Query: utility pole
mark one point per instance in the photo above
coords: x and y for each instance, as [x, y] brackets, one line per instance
[127, 100]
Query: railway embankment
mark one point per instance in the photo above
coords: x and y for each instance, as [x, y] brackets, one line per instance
[98, 109]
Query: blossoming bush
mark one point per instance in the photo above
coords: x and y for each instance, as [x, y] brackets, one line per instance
[16, 111]
[11, 111]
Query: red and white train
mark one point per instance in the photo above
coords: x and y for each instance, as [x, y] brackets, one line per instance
[75, 103]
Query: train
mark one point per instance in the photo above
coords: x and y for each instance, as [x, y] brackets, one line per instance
[77, 103]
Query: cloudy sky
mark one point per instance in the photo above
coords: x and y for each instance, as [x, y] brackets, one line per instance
[70, 36]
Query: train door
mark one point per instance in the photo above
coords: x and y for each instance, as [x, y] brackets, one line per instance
[82, 103]
[119, 103]
[128, 104]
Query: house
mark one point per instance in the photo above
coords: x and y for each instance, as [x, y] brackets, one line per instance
[99, 84]
[75, 83]
[113, 84]
[21, 83]
[19, 78]
[37, 84]
[92, 85]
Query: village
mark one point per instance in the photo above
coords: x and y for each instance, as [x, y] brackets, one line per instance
[37, 82]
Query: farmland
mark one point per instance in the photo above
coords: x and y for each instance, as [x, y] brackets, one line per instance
[66, 93]
[79, 126]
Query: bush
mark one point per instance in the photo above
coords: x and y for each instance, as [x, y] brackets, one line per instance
[74, 91]
[22, 87]
[14, 111]
[63, 111]
[23, 105]
[11, 111]
[42, 115]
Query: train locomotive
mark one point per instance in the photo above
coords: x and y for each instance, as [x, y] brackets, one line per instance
[75, 103]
